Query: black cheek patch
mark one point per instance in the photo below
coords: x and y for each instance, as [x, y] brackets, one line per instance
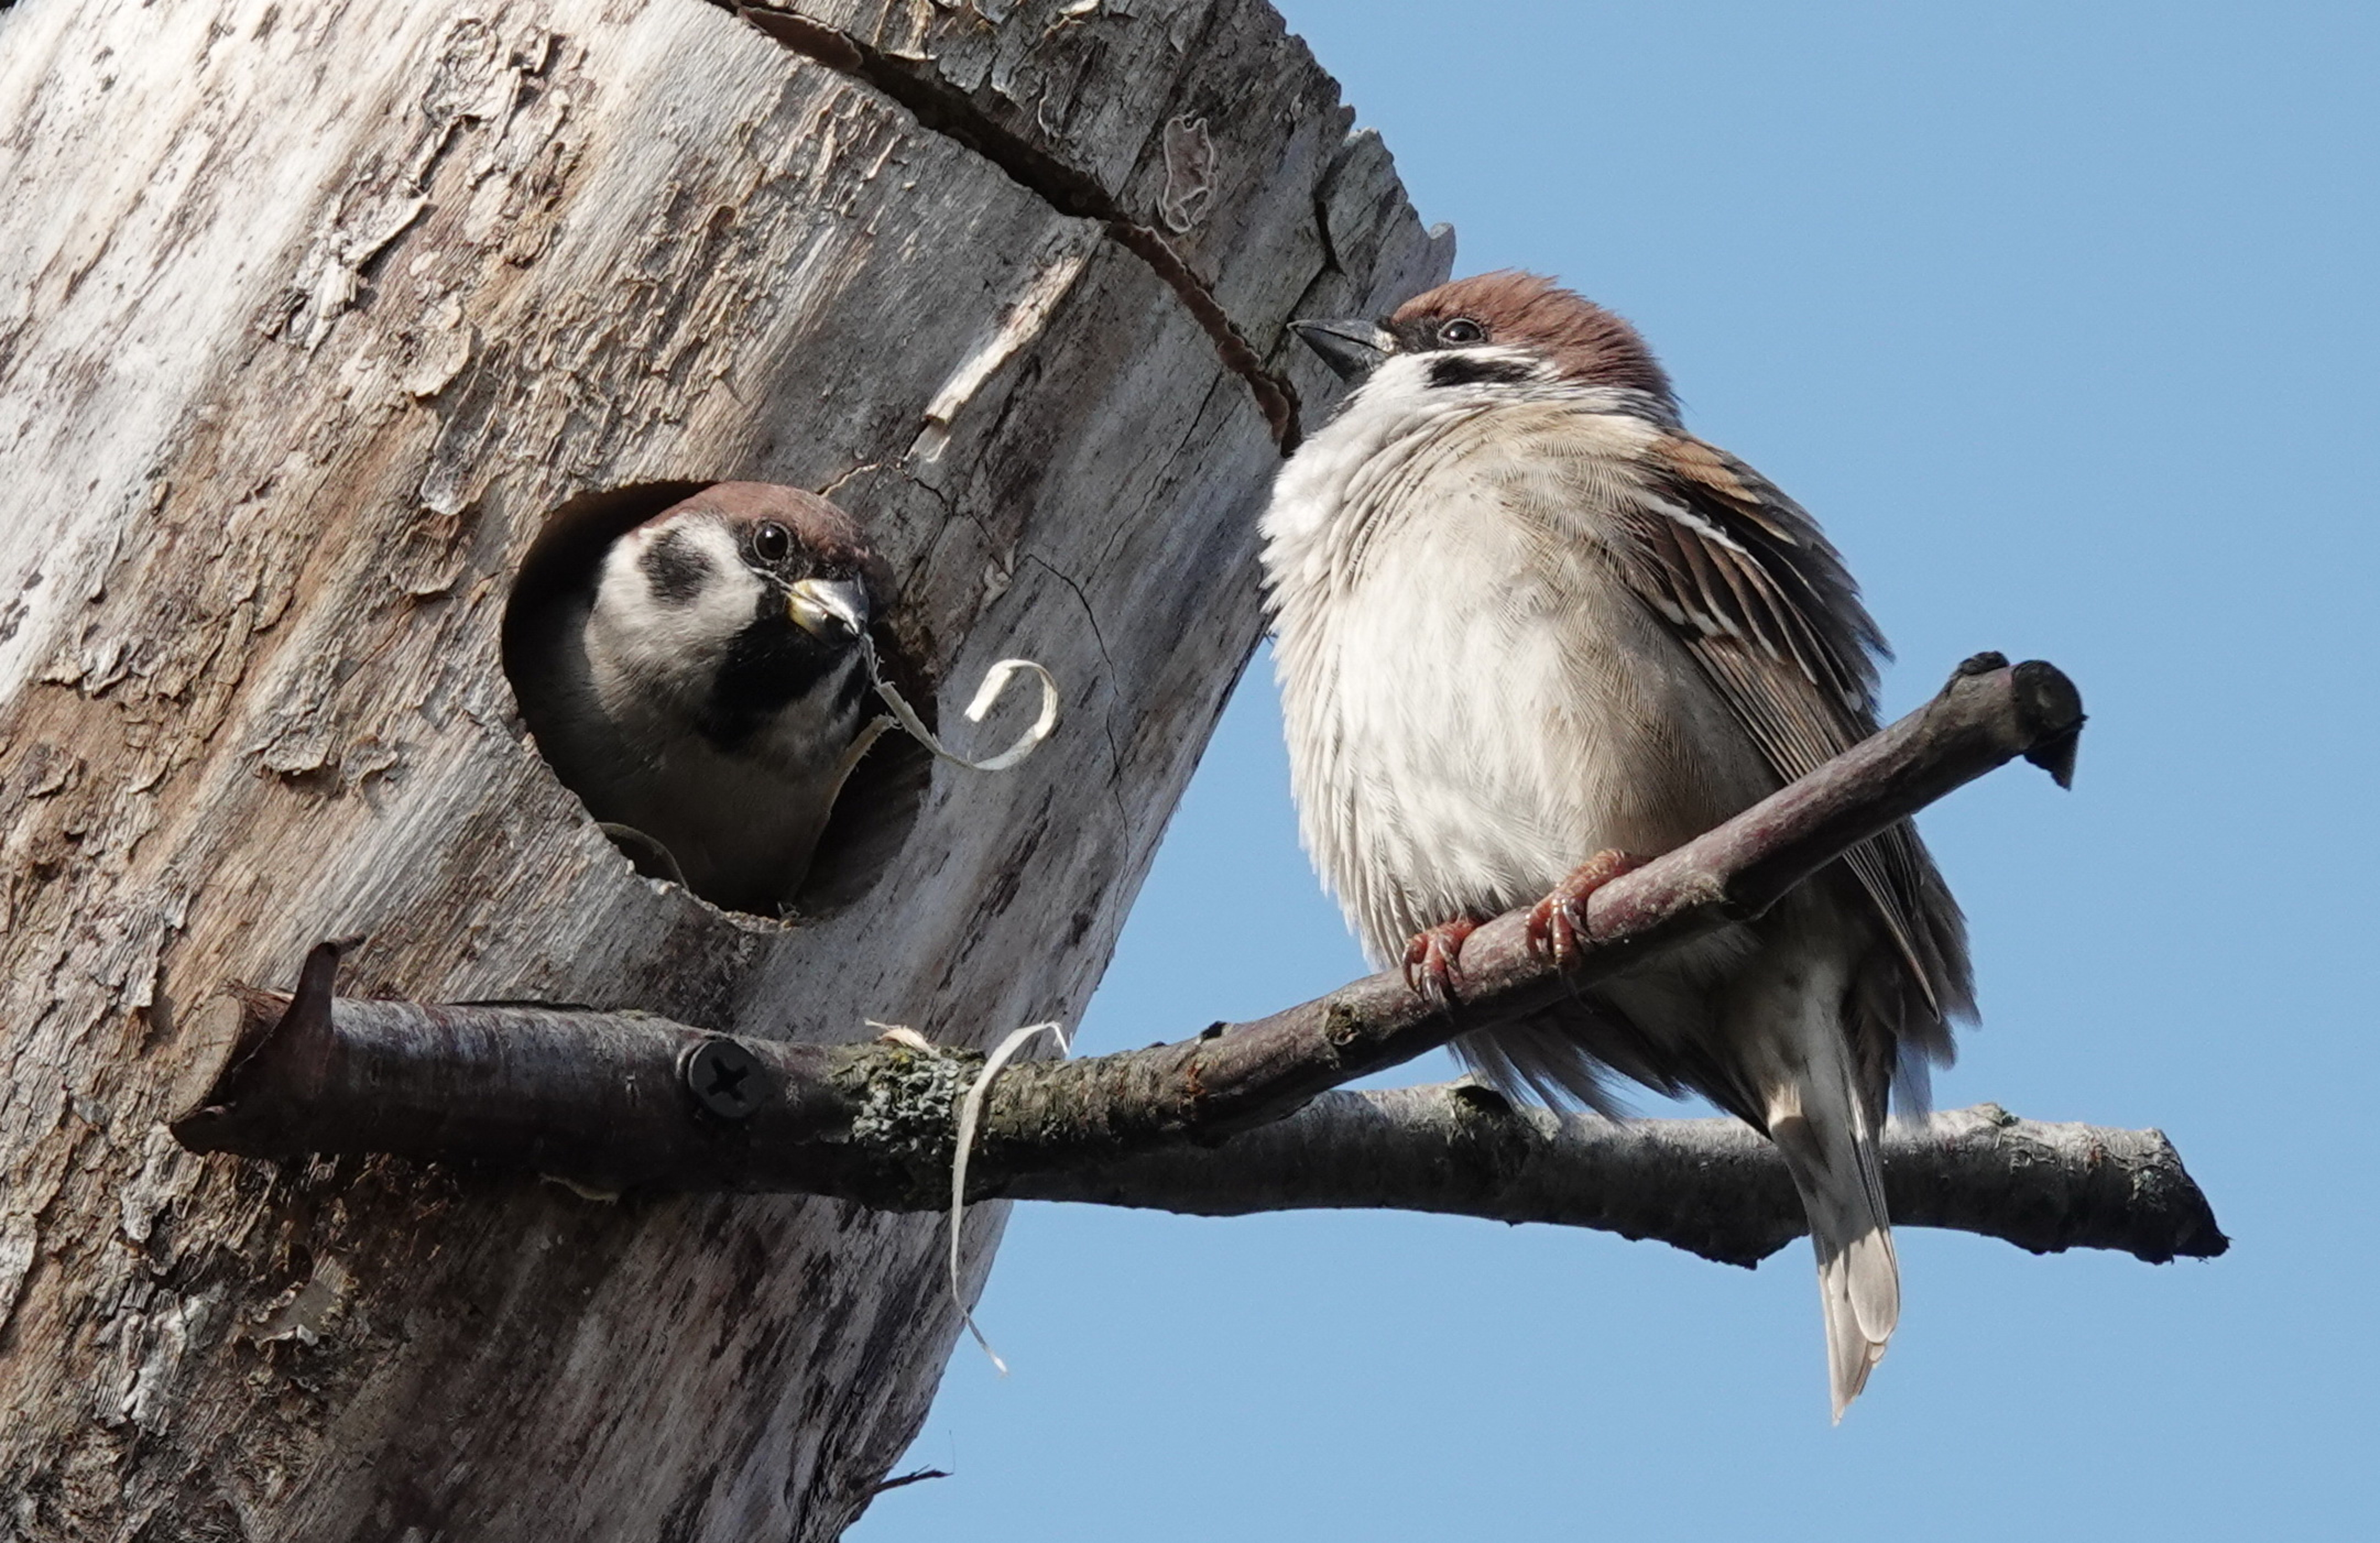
[676, 569]
[1462, 370]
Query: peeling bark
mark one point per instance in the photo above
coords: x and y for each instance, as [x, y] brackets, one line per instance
[312, 315]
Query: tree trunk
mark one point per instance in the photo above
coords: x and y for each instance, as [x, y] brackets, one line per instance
[310, 317]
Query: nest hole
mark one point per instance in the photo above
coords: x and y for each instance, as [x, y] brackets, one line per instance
[543, 650]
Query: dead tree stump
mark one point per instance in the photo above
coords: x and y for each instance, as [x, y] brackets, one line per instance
[310, 317]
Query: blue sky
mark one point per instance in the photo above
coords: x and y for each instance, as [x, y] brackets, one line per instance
[2059, 316]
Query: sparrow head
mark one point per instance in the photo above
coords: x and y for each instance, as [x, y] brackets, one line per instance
[735, 604]
[1500, 329]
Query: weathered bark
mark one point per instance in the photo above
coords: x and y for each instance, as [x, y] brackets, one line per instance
[310, 315]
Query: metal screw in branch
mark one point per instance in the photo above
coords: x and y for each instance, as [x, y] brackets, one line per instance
[724, 1078]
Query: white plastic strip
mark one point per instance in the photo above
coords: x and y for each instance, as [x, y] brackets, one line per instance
[995, 683]
[970, 1110]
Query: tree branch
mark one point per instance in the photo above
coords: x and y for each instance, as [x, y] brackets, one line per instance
[627, 1100]
[1712, 1187]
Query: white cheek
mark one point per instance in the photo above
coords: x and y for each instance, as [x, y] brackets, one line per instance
[657, 638]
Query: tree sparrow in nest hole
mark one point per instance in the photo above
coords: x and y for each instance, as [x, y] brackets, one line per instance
[704, 695]
[1525, 623]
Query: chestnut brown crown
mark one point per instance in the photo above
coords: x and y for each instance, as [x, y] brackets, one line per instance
[791, 532]
[1587, 344]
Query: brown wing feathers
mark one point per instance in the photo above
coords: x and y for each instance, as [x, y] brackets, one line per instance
[1767, 608]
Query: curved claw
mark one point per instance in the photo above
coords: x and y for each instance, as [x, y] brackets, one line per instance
[1554, 928]
[1557, 923]
[1434, 959]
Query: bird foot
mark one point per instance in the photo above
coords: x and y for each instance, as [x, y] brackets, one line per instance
[1557, 923]
[1433, 960]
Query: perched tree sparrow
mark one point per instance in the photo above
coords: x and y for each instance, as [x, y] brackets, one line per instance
[1525, 623]
[705, 691]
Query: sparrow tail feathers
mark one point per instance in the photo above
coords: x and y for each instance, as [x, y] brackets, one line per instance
[1822, 1129]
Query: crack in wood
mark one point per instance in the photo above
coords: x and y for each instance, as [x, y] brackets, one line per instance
[1099, 641]
[918, 86]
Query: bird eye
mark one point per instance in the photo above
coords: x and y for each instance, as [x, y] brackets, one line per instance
[772, 542]
[1463, 329]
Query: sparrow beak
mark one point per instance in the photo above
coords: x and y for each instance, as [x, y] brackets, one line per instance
[1353, 349]
[831, 610]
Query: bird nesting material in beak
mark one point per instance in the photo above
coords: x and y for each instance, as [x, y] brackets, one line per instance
[831, 610]
[1351, 348]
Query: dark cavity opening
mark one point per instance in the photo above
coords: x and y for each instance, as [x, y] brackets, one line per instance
[544, 661]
